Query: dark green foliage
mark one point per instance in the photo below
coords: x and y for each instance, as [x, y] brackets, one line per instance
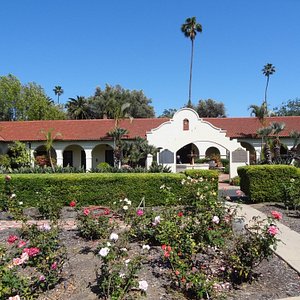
[100, 189]
[267, 183]
[211, 109]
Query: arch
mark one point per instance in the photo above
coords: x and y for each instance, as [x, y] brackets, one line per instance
[74, 156]
[251, 150]
[41, 156]
[102, 153]
[187, 154]
[186, 124]
[212, 151]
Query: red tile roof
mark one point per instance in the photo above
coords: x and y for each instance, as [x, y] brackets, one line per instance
[247, 127]
[97, 129]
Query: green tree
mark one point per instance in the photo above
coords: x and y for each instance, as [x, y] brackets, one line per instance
[190, 29]
[210, 109]
[58, 91]
[268, 70]
[277, 127]
[19, 155]
[289, 108]
[265, 133]
[10, 95]
[260, 112]
[78, 108]
[35, 105]
[50, 138]
[104, 102]
[168, 113]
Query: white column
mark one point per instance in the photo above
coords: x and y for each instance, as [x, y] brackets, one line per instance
[59, 157]
[149, 161]
[88, 158]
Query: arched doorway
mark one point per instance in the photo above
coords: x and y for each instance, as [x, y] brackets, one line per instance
[102, 153]
[211, 152]
[187, 154]
[74, 156]
[251, 150]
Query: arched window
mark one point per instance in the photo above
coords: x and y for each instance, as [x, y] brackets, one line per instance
[186, 124]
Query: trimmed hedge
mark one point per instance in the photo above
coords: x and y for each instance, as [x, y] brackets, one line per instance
[266, 183]
[212, 175]
[101, 189]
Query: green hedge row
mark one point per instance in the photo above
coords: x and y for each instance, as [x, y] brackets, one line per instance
[102, 189]
[267, 183]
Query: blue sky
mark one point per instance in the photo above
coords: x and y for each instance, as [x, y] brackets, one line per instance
[138, 44]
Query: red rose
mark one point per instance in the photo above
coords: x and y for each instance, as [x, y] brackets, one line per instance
[72, 203]
[180, 214]
[12, 238]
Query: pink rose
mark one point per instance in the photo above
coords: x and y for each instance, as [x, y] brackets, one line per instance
[86, 211]
[139, 212]
[54, 266]
[17, 297]
[21, 244]
[7, 178]
[276, 215]
[273, 230]
[12, 238]
[33, 251]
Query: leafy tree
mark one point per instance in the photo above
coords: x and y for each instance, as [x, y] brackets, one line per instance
[58, 90]
[105, 102]
[190, 29]
[19, 155]
[210, 109]
[168, 113]
[291, 108]
[268, 70]
[10, 95]
[25, 102]
[35, 105]
[78, 108]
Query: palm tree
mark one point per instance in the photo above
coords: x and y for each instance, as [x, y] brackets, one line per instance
[58, 91]
[260, 112]
[268, 70]
[190, 29]
[78, 108]
[49, 143]
[277, 128]
[119, 112]
[264, 133]
[117, 133]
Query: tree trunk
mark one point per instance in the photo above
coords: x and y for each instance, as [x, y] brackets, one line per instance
[191, 72]
[268, 154]
[267, 84]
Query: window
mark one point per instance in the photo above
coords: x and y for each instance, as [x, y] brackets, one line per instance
[186, 124]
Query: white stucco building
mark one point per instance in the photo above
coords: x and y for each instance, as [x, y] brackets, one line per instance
[85, 143]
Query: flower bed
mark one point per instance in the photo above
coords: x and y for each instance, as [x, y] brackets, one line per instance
[200, 253]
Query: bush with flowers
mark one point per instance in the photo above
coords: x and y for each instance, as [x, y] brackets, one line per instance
[93, 227]
[31, 262]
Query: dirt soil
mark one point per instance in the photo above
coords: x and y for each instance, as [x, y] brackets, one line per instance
[275, 278]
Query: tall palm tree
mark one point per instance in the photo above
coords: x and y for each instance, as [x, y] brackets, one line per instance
[268, 70]
[78, 108]
[190, 29]
[58, 91]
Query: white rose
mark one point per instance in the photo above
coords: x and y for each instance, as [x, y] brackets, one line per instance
[114, 237]
[143, 285]
[104, 251]
[146, 247]
[216, 219]
[125, 207]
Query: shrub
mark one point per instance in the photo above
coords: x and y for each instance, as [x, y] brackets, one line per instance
[101, 189]
[267, 183]
[235, 180]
